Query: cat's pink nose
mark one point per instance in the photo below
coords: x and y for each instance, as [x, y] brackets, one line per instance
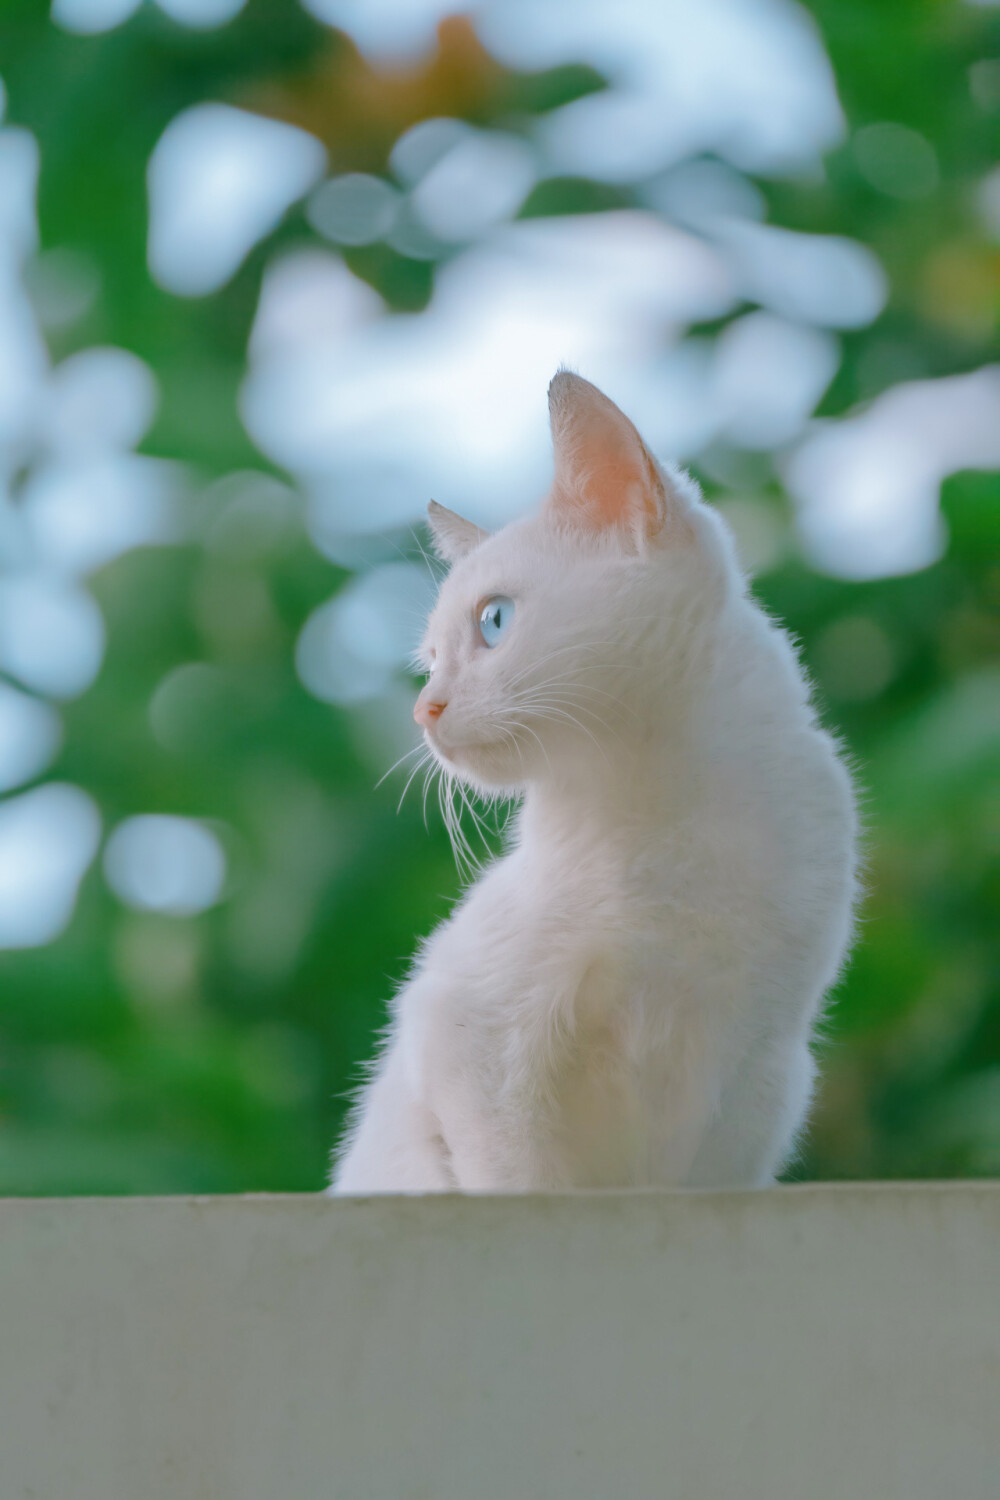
[426, 713]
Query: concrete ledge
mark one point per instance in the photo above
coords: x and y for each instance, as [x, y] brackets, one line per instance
[797, 1344]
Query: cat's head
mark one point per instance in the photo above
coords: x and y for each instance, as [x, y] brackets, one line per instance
[561, 637]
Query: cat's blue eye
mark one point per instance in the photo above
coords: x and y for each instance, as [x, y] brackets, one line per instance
[495, 619]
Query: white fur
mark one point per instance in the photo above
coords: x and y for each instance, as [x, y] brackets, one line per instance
[626, 998]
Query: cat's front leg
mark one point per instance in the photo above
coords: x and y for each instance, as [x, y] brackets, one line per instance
[453, 1104]
[491, 1090]
[394, 1144]
[494, 1148]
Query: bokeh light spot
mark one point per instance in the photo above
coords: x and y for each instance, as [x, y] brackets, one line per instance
[51, 634]
[30, 735]
[354, 209]
[48, 838]
[855, 659]
[868, 486]
[817, 278]
[90, 17]
[82, 514]
[160, 863]
[388, 31]
[351, 647]
[100, 398]
[747, 80]
[896, 161]
[201, 15]
[219, 179]
[481, 181]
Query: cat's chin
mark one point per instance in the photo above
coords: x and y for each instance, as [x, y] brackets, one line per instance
[484, 767]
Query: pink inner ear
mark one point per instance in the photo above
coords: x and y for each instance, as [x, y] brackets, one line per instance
[615, 492]
[604, 476]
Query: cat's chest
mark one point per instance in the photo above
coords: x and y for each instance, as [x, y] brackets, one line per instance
[535, 998]
[530, 937]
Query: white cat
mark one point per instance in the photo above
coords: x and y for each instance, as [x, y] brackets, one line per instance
[626, 998]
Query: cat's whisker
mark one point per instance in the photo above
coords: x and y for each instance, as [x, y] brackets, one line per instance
[473, 865]
[596, 647]
[556, 651]
[464, 803]
[558, 714]
[505, 799]
[489, 820]
[538, 704]
[453, 801]
[561, 695]
[409, 779]
[476, 820]
[465, 862]
[442, 799]
[386, 774]
[604, 665]
[587, 687]
[444, 815]
[434, 568]
[432, 770]
[537, 738]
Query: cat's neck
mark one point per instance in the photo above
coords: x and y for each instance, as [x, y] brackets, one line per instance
[605, 802]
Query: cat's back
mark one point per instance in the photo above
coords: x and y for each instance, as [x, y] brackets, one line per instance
[778, 812]
[777, 752]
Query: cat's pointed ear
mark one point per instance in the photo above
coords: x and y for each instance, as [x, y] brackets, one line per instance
[605, 475]
[452, 536]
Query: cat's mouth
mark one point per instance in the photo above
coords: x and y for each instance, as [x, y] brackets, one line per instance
[479, 758]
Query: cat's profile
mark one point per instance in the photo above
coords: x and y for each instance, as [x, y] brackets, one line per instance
[627, 997]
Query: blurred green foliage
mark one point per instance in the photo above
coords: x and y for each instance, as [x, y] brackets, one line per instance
[144, 1053]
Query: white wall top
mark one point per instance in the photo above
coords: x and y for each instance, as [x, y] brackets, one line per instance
[796, 1344]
